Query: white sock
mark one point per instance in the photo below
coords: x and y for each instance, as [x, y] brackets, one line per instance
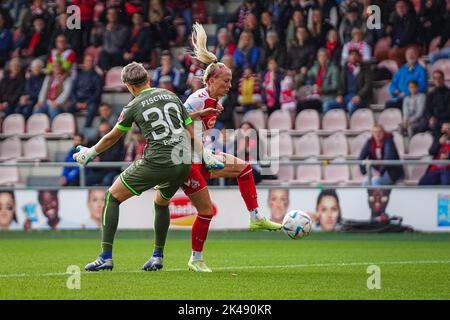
[197, 255]
[255, 215]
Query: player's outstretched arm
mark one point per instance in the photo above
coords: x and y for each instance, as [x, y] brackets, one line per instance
[85, 155]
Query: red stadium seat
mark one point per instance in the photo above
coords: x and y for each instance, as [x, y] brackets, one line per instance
[308, 173]
[307, 120]
[9, 175]
[113, 80]
[335, 145]
[357, 143]
[380, 46]
[94, 52]
[285, 173]
[64, 123]
[419, 144]
[11, 148]
[35, 149]
[38, 123]
[382, 94]
[362, 119]
[390, 119]
[391, 65]
[279, 119]
[286, 145]
[356, 175]
[308, 145]
[256, 118]
[444, 66]
[334, 174]
[399, 143]
[334, 120]
[14, 124]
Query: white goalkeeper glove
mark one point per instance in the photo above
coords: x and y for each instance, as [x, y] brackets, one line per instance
[213, 161]
[84, 155]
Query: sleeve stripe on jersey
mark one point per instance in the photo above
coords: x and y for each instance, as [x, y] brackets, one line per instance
[188, 121]
[122, 128]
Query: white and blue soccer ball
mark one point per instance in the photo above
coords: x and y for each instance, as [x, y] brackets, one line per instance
[297, 224]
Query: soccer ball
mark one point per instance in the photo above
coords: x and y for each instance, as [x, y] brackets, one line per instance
[297, 224]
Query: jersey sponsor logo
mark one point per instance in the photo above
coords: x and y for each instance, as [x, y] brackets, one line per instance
[183, 212]
[173, 140]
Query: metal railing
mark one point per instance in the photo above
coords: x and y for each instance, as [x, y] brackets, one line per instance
[264, 163]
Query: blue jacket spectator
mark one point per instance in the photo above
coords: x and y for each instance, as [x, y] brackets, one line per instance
[166, 76]
[86, 90]
[381, 146]
[33, 86]
[246, 53]
[6, 42]
[70, 176]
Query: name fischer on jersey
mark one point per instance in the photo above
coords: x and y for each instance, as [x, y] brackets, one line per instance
[153, 99]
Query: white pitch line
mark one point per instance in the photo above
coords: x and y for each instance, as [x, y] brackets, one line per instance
[314, 265]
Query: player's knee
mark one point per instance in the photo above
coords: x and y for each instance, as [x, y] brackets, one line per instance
[206, 212]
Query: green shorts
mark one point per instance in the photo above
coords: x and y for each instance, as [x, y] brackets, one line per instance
[142, 175]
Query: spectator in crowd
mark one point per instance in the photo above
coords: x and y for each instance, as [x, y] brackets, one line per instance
[251, 25]
[402, 30]
[323, 77]
[412, 70]
[87, 13]
[329, 11]
[225, 45]
[6, 42]
[273, 49]
[106, 113]
[358, 43]
[249, 89]
[37, 41]
[355, 85]
[161, 24]
[267, 24]
[437, 110]
[105, 176]
[319, 27]
[54, 93]
[413, 109]
[135, 146]
[184, 9]
[33, 86]
[35, 9]
[301, 53]
[140, 43]
[70, 176]
[62, 55]
[72, 36]
[280, 13]
[430, 20]
[166, 75]
[272, 85]
[236, 22]
[297, 20]
[113, 37]
[246, 52]
[287, 96]
[86, 90]
[11, 87]
[380, 146]
[443, 52]
[352, 20]
[334, 48]
[440, 150]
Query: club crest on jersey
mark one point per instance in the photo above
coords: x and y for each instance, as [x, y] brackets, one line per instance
[211, 122]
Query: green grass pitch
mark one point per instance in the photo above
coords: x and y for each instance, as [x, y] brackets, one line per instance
[246, 265]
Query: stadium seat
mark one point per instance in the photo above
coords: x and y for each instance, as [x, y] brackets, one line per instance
[399, 143]
[444, 66]
[10, 148]
[308, 145]
[280, 119]
[419, 144]
[382, 94]
[390, 119]
[434, 44]
[113, 80]
[35, 149]
[307, 174]
[94, 52]
[357, 143]
[38, 123]
[14, 124]
[380, 46]
[356, 175]
[64, 123]
[415, 172]
[362, 119]
[334, 120]
[286, 145]
[391, 65]
[9, 175]
[307, 120]
[335, 145]
[256, 118]
[335, 173]
[285, 173]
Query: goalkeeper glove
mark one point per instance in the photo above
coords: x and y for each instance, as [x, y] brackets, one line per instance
[84, 155]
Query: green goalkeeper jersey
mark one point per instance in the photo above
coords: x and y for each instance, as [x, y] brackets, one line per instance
[161, 117]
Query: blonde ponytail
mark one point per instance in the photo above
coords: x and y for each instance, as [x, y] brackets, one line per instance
[201, 53]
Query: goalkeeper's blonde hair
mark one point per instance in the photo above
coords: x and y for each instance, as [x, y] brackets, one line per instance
[201, 53]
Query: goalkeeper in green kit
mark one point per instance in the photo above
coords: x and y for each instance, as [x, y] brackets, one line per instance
[166, 125]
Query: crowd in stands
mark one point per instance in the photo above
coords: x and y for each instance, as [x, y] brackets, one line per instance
[285, 55]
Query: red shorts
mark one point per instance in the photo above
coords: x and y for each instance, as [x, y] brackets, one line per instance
[196, 179]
